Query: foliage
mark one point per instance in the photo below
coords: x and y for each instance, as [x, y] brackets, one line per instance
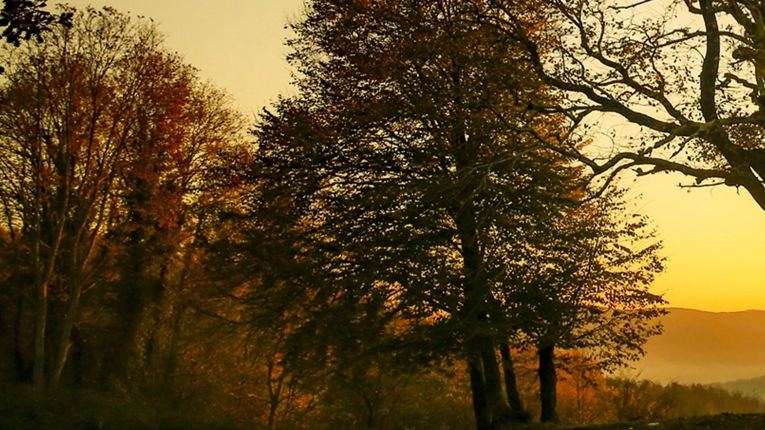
[420, 195]
[410, 185]
[640, 400]
[406, 177]
[28, 19]
[357, 266]
[583, 283]
[107, 144]
[386, 399]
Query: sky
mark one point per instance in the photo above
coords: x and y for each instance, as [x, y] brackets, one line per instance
[714, 239]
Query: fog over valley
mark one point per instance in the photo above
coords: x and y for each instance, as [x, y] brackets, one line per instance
[705, 347]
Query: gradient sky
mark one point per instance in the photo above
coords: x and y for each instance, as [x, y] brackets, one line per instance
[714, 238]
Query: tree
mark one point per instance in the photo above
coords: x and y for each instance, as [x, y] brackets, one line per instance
[57, 169]
[582, 285]
[84, 113]
[409, 178]
[687, 75]
[185, 134]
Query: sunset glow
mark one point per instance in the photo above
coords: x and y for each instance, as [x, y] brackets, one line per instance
[382, 215]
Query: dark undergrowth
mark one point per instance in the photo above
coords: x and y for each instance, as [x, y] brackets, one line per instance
[25, 409]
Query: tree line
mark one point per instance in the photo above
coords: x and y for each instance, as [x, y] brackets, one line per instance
[422, 204]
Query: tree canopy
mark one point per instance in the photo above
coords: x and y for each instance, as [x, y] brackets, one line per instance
[397, 243]
[104, 137]
[414, 179]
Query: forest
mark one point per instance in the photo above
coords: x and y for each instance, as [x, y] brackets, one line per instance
[423, 236]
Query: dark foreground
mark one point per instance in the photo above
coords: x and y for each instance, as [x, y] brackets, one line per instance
[715, 422]
[27, 410]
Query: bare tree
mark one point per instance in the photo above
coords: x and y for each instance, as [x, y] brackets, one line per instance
[687, 76]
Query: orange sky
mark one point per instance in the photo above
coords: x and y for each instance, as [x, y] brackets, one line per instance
[714, 238]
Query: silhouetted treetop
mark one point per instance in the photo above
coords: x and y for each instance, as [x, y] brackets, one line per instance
[27, 19]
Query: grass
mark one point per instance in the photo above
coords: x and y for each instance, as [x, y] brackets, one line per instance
[712, 422]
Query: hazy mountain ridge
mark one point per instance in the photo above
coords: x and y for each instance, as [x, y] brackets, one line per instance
[752, 387]
[706, 347]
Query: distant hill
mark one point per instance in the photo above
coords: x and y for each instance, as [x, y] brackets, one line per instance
[754, 387]
[706, 347]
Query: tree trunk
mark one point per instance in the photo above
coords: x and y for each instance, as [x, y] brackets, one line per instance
[77, 357]
[121, 350]
[500, 410]
[275, 385]
[478, 389]
[133, 300]
[548, 381]
[41, 317]
[171, 361]
[42, 274]
[66, 334]
[477, 291]
[511, 385]
[19, 364]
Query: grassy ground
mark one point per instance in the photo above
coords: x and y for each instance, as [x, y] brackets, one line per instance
[715, 422]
